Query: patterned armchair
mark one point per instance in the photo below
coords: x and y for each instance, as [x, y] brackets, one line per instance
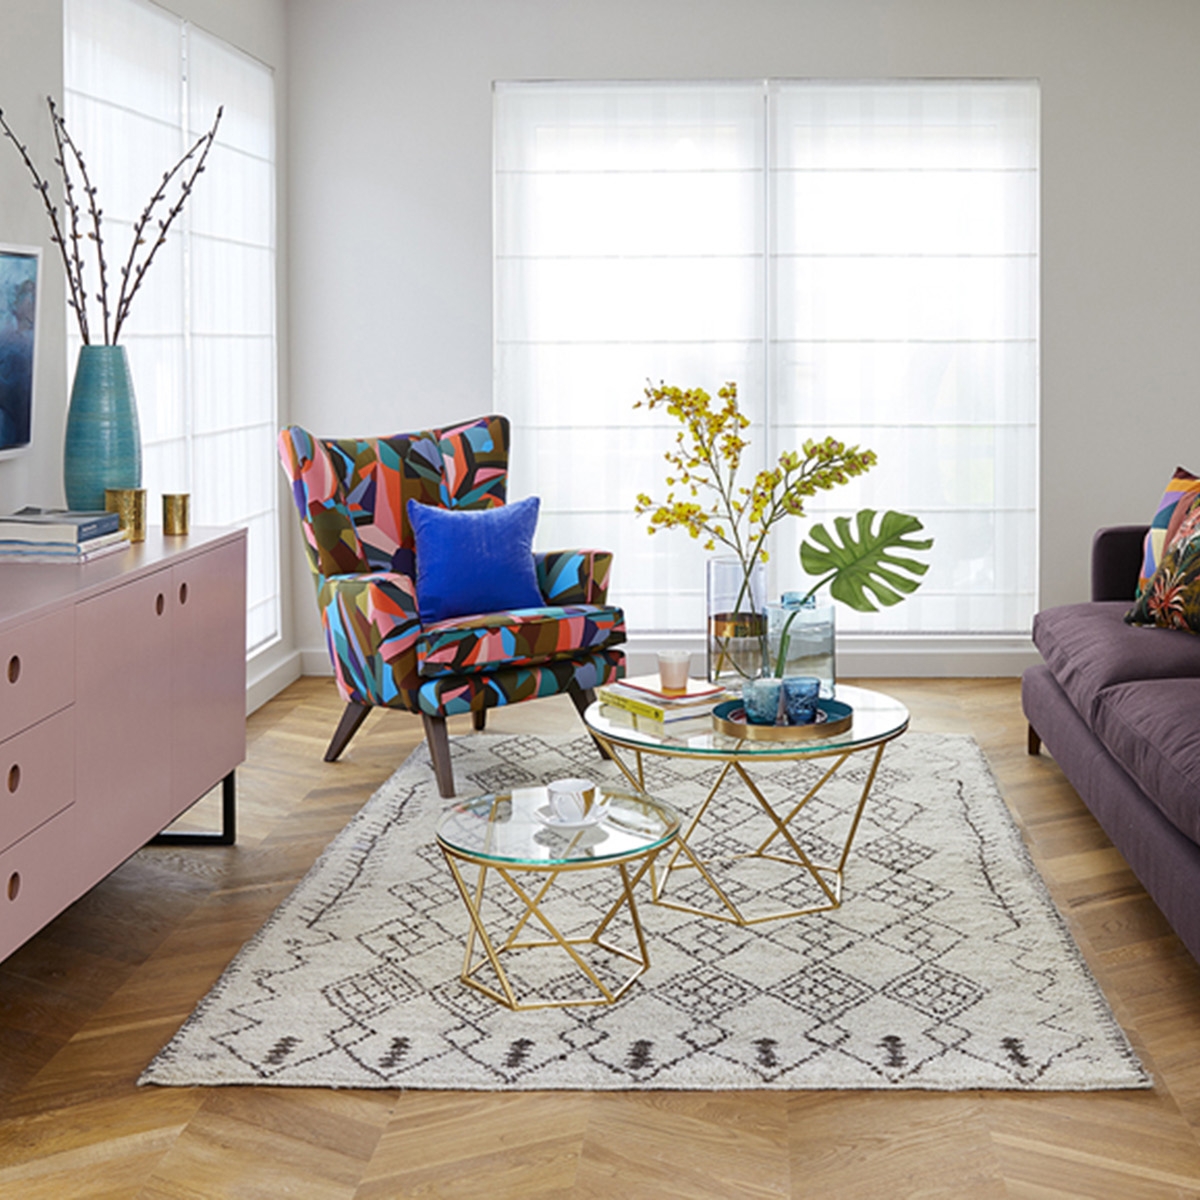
[352, 496]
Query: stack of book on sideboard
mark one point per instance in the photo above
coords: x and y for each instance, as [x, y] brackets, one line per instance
[59, 536]
[643, 696]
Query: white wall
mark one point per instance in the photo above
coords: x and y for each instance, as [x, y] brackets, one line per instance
[390, 201]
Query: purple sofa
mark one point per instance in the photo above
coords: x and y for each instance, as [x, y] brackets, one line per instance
[1119, 708]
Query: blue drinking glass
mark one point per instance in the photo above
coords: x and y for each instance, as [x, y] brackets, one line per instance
[760, 699]
[800, 694]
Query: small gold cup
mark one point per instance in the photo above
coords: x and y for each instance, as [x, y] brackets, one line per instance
[130, 506]
[175, 514]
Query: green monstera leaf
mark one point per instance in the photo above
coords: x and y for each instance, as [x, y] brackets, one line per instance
[867, 563]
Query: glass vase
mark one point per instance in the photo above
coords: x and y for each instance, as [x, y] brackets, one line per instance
[737, 629]
[801, 640]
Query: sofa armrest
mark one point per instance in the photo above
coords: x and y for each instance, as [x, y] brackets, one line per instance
[573, 576]
[1117, 561]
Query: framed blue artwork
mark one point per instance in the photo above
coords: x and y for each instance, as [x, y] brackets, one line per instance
[19, 290]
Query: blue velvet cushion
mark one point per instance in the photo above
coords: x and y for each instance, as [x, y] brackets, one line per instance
[476, 560]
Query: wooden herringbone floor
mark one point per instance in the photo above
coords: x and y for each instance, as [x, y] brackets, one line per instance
[85, 1004]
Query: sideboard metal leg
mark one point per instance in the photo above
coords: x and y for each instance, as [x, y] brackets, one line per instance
[228, 834]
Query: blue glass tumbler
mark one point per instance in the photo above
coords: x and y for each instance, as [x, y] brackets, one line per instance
[760, 699]
[800, 693]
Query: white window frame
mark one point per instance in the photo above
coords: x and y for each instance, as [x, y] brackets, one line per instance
[202, 340]
[575, 416]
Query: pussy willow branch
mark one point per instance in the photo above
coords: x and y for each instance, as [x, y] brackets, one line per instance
[68, 196]
[72, 265]
[63, 137]
[136, 274]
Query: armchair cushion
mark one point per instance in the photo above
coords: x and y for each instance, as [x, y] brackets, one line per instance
[448, 695]
[522, 637]
[472, 561]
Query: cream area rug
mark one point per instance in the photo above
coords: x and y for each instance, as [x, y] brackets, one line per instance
[947, 966]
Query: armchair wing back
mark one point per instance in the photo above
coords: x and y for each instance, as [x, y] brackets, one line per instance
[352, 496]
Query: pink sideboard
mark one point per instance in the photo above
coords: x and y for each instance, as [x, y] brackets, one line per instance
[122, 702]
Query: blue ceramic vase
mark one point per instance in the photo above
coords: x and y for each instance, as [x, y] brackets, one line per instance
[103, 444]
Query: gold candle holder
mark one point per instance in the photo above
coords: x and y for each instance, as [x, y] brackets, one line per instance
[130, 506]
[175, 514]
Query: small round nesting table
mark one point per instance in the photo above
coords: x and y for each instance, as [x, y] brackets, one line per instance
[507, 837]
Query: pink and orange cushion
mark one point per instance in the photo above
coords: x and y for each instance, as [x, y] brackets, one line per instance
[1181, 490]
[1171, 597]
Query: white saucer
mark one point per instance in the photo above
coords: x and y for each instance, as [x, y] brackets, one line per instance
[593, 818]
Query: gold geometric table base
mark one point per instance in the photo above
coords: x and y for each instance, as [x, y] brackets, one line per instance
[533, 910]
[828, 876]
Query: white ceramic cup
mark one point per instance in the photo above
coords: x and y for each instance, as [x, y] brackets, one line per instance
[673, 668]
[571, 799]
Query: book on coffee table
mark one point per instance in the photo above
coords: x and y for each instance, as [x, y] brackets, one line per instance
[642, 696]
[697, 689]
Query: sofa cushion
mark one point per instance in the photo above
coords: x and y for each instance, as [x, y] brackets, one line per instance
[1152, 728]
[1088, 647]
[1182, 486]
[1172, 598]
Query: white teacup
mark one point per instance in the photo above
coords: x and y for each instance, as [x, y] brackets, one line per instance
[572, 799]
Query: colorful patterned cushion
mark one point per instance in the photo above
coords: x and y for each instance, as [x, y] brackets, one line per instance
[523, 638]
[448, 694]
[1172, 597]
[1183, 486]
[474, 560]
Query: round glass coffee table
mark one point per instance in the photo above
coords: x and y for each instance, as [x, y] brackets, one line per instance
[507, 835]
[877, 720]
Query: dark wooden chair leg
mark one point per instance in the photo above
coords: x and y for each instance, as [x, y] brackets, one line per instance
[479, 719]
[581, 698]
[353, 716]
[1034, 744]
[439, 752]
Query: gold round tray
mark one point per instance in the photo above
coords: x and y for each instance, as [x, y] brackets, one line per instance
[833, 717]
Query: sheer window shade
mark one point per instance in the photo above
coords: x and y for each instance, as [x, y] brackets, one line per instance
[141, 86]
[861, 258]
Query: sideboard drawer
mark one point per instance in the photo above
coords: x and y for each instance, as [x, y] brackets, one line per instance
[37, 670]
[37, 776]
[39, 877]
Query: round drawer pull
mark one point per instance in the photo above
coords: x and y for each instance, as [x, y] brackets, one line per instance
[14, 777]
[14, 668]
[160, 603]
[183, 593]
[14, 885]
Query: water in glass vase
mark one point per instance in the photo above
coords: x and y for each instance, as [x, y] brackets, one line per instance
[801, 636]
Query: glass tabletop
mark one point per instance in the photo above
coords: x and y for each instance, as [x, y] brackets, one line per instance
[877, 718]
[510, 829]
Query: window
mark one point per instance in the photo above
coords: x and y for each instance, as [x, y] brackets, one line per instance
[862, 258]
[141, 86]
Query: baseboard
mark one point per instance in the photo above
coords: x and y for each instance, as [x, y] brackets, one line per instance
[261, 686]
